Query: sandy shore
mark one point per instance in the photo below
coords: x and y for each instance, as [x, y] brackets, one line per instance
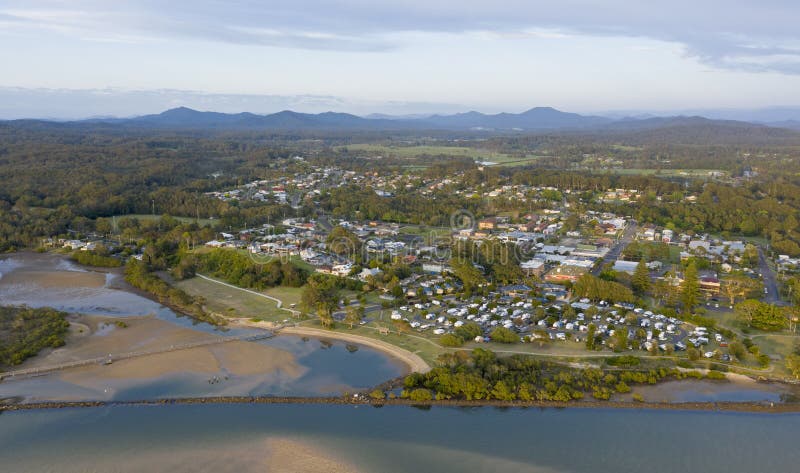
[54, 279]
[414, 362]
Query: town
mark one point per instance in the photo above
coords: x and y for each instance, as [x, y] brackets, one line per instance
[561, 272]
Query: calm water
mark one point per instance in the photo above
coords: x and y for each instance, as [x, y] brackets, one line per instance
[402, 439]
[103, 301]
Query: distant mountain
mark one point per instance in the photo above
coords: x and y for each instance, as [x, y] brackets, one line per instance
[694, 131]
[790, 124]
[680, 129]
[286, 120]
[539, 118]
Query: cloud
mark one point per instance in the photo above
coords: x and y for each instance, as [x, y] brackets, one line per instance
[750, 35]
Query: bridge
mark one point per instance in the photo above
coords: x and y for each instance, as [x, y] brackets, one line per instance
[112, 357]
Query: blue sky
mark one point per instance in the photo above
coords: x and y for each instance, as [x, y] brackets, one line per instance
[125, 57]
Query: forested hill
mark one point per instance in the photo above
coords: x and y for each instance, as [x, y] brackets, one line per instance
[539, 120]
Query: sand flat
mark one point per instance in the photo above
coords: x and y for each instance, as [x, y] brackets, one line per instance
[141, 334]
[54, 279]
[247, 358]
[295, 456]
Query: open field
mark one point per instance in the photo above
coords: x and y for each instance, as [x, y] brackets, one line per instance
[502, 159]
[232, 302]
[149, 218]
[695, 173]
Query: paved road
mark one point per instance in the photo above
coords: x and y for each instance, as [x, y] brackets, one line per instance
[770, 281]
[616, 251]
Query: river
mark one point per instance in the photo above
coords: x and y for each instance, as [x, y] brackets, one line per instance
[397, 439]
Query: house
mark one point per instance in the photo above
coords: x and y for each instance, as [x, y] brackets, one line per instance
[710, 285]
[625, 266]
[515, 290]
[369, 272]
[532, 267]
[432, 268]
[695, 244]
[487, 224]
[341, 269]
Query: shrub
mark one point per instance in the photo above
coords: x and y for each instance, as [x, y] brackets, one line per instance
[621, 387]
[715, 375]
[624, 360]
[450, 340]
[503, 335]
[420, 395]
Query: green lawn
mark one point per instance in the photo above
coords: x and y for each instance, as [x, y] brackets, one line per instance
[150, 218]
[289, 295]
[501, 159]
[661, 172]
[236, 303]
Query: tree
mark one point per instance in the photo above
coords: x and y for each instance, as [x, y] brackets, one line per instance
[450, 340]
[590, 337]
[693, 353]
[641, 278]
[738, 286]
[343, 242]
[421, 395]
[469, 331]
[503, 335]
[619, 341]
[761, 315]
[321, 296]
[353, 315]
[793, 364]
[469, 275]
[597, 289]
[738, 350]
[662, 290]
[690, 288]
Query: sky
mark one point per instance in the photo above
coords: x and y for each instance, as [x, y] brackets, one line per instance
[74, 58]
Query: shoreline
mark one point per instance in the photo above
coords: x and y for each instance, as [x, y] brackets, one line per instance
[412, 360]
[736, 407]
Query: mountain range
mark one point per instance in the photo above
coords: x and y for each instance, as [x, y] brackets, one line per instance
[538, 119]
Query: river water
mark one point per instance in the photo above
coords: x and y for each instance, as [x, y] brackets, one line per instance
[399, 439]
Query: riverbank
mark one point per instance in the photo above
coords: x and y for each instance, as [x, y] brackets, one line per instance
[361, 400]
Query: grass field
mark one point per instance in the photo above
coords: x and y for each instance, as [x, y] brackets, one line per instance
[661, 172]
[501, 159]
[236, 303]
[425, 232]
[150, 218]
